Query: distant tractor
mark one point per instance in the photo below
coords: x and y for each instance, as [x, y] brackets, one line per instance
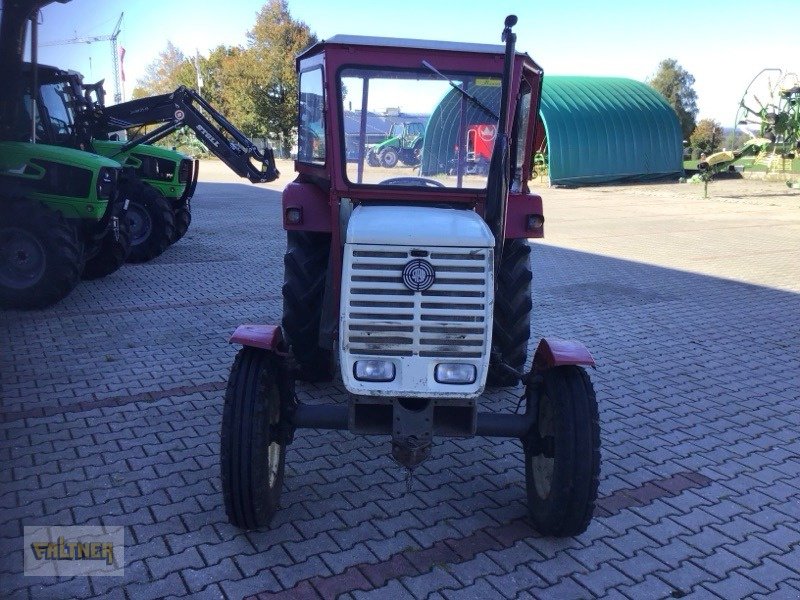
[403, 144]
[416, 291]
[479, 146]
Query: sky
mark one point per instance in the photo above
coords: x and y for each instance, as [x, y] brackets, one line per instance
[722, 43]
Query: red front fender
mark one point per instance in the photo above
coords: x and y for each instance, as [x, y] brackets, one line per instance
[266, 337]
[552, 352]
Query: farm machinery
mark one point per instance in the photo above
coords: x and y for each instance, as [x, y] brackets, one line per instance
[61, 218]
[403, 144]
[770, 111]
[414, 290]
[158, 183]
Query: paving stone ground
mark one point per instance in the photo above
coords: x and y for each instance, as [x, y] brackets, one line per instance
[111, 407]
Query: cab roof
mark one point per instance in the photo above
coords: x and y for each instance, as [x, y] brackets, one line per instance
[388, 42]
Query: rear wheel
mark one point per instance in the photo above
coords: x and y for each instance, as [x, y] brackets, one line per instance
[40, 255]
[114, 250]
[252, 455]
[305, 270]
[562, 454]
[151, 221]
[512, 311]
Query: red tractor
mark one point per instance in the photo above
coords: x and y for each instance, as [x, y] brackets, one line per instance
[415, 290]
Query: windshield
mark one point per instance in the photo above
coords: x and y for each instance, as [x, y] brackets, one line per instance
[413, 123]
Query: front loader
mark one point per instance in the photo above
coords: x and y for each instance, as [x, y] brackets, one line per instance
[415, 291]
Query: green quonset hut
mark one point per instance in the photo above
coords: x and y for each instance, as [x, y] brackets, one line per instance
[603, 129]
[593, 129]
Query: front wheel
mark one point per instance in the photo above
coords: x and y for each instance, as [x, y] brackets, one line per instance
[389, 158]
[150, 218]
[115, 247]
[252, 455]
[562, 454]
[183, 218]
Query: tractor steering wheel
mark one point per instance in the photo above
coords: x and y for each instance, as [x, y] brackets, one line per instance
[416, 181]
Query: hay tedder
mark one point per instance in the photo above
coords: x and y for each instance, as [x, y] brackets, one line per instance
[416, 291]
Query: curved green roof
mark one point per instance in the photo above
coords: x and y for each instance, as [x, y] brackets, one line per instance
[602, 129]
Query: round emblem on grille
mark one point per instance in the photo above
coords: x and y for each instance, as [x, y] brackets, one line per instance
[418, 275]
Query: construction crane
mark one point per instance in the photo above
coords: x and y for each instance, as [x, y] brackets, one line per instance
[114, 52]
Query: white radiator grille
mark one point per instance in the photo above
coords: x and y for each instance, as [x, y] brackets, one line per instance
[448, 320]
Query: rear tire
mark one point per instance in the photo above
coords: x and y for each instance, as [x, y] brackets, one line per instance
[150, 218]
[40, 255]
[305, 270]
[562, 454]
[112, 254]
[512, 311]
[389, 158]
[252, 458]
[183, 218]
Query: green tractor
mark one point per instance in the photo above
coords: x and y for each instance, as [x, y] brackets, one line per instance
[61, 216]
[60, 219]
[158, 183]
[403, 144]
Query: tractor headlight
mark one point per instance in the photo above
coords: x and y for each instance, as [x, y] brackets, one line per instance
[455, 373]
[373, 370]
[106, 182]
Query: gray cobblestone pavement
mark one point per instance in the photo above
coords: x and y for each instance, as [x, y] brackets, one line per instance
[111, 407]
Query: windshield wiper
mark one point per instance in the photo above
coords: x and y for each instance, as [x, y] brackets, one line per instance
[462, 91]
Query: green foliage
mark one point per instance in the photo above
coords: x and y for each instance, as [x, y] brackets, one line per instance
[166, 73]
[674, 83]
[707, 137]
[254, 87]
[274, 41]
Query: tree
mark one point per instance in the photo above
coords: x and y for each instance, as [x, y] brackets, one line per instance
[674, 83]
[707, 136]
[166, 73]
[273, 42]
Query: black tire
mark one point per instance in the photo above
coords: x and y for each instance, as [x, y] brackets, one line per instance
[372, 159]
[40, 255]
[512, 311]
[562, 454]
[183, 218]
[152, 223]
[113, 252]
[252, 455]
[389, 158]
[305, 270]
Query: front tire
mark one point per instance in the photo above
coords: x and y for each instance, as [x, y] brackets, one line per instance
[562, 454]
[305, 270]
[252, 456]
[112, 254]
[183, 218]
[389, 158]
[512, 312]
[151, 221]
[40, 255]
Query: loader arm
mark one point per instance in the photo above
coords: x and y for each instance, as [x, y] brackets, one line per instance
[185, 107]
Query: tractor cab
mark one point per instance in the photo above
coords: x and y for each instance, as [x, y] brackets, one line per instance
[354, 89]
